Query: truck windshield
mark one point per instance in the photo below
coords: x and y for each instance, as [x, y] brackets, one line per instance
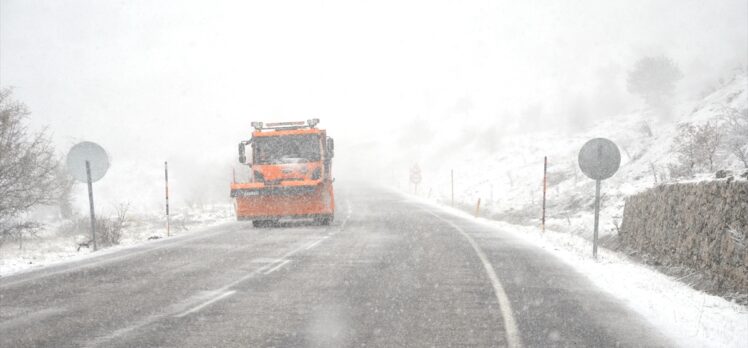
[287, 149]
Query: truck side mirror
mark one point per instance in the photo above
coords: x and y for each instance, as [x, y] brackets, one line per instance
[330, 147]
[242, 156]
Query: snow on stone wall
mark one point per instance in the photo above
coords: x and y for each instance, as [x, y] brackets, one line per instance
[702, 226]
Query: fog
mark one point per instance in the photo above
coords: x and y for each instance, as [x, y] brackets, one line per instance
[181, 81]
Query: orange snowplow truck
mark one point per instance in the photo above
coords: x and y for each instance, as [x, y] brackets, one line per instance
[291, 165]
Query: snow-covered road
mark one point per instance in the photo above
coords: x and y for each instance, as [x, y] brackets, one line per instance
[390, 271]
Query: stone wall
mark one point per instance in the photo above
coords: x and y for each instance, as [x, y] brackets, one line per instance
[700, 226]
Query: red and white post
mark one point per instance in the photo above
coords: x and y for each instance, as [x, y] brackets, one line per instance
[545, 186]
[166, 179]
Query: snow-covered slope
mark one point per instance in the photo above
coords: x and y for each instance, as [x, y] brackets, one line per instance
[508, 179]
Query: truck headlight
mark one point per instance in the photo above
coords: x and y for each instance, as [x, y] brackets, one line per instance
[316, 174]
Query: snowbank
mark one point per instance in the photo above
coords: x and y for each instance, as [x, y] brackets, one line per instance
[690, 318]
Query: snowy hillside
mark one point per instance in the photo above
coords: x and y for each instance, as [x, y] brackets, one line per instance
[508, 180]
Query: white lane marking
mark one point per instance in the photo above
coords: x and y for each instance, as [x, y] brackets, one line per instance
[264, 260]
[266, 269]
[510, 325]
[312, 245]
[222, 292]
[73, 265]
[176, 310]
[261, 269]
[276, 267]
[100, 341]
[347, 215]
[216, 298]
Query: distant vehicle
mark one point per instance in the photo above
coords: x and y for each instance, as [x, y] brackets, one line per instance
[291, 164]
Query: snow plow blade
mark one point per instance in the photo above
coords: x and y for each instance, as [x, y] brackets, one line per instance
[295, 199]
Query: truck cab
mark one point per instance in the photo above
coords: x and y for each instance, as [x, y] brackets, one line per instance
[291, 166]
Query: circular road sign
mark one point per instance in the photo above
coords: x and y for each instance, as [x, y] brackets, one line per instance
[599, 158]
[91, 152]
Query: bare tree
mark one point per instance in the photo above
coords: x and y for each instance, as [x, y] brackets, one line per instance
[685, 147]
[653, 169]
[28, 168]
[709, 138]
[696, 147]
[653, 79]
[737, 133]
[111, 229]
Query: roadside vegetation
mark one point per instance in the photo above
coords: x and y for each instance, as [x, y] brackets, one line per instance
[31, 173]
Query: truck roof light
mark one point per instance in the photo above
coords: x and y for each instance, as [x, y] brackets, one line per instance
[285, 124]
[311, 123]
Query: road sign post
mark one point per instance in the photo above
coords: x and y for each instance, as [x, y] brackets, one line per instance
[599, 159]
[597, 218]
[91, 204]
[88, 162]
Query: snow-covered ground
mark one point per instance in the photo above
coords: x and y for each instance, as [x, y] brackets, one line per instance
[508, 181]
[505, 170]
[57, 242]
[691, 318]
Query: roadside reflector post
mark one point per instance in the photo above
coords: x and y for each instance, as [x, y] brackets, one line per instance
[545, 186]
[91, 203]
[477, 208]
[598, 159]
[166, 179]
[415, 177]
[452, 183]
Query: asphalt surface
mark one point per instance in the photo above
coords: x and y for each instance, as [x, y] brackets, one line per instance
[389, 272]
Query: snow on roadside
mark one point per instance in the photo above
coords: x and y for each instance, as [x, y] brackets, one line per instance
[507, 176]
[49, 247]
[689, 317]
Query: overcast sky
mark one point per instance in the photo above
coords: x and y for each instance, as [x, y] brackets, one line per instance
[183, 79]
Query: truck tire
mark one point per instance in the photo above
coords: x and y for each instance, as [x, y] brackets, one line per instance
[324, 220]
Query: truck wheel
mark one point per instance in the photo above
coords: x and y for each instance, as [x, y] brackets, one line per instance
[324, 221]
[258, 223]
